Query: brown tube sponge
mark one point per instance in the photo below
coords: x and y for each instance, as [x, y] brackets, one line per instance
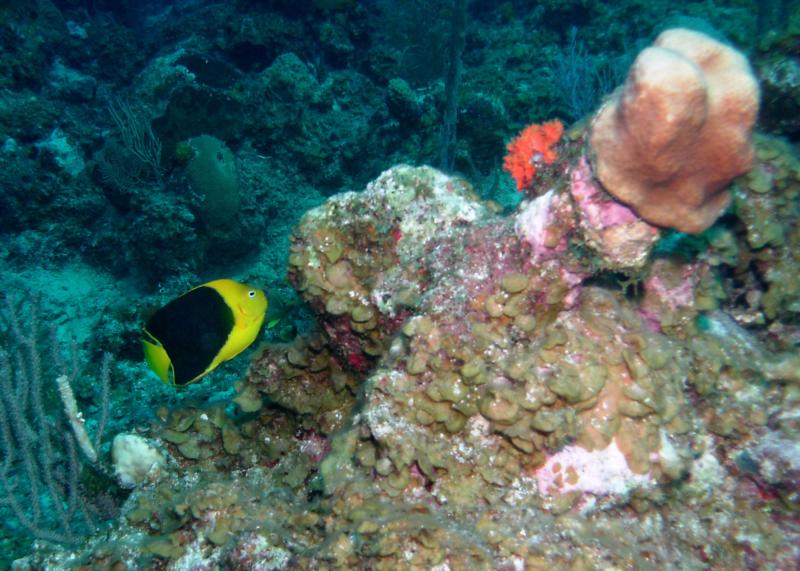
[678, 131]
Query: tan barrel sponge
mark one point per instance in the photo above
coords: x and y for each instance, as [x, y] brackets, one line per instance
[671, 139]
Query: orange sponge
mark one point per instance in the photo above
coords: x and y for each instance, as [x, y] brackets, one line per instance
[530, 150]
[673, 137]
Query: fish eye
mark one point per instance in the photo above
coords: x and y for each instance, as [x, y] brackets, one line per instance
[251, 294]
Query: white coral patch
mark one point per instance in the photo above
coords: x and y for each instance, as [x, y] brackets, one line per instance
[599, 472]
[706, 473]
[533, 219]
[382, 417]
[135, 459]
[423, 219]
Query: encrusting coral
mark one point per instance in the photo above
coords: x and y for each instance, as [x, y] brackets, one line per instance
[501, 363]
[670, 141]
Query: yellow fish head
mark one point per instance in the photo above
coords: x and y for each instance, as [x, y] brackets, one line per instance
[253, 304]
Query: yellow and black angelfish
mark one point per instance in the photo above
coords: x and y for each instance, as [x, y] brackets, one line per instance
[212, 323]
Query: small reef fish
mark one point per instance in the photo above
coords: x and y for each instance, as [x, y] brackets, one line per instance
[210, 324]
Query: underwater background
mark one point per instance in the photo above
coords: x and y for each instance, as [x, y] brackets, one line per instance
[479, 352]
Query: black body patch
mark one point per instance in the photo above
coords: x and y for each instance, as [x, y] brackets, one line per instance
[192, 328]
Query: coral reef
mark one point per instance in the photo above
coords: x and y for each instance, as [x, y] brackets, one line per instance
[357, 260]
[568, 384]
[482, 394]
[679, 130]
[509, 362]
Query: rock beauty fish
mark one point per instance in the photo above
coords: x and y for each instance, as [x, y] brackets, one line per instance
[195, 332]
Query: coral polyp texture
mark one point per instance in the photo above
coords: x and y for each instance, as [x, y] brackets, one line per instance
[520, 398]
[357, 258]
[674, 136]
